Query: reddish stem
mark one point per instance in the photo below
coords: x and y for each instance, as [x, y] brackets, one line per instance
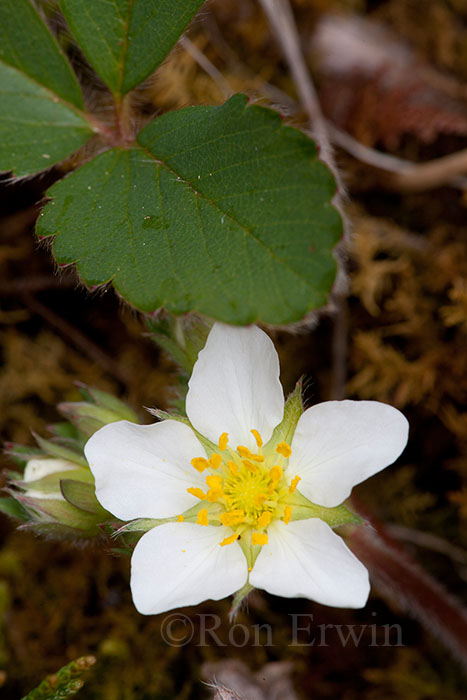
[405, 583]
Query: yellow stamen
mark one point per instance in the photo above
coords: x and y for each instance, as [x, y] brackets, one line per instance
[264, 519]
[233, 467]
[293, 483]
[259, 499]
[257, 437]
[287, 514]
[245, 452]
[259, 538]
[229, 540]
[233, 517]
[223, 441]
[215, 488]
[202, 518]
[275, 473]
[195, 491]
[214, 481]
[180, 518]
[215, 460]
[284, 449]
[200, 464]
[249, 464]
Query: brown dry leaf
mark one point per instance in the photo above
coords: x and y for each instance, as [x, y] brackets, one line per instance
[373, 85]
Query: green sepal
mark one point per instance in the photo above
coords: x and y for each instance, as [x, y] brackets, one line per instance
[303, 509]
[140, 525]
[87, 417]
[65, 431]
[22, 454]
[209, 446]
[108, 401]
[56, 449]
[82, 495]
[61, 514]
[97, 409]
[250, 550]
[11, 507]
[213, 509]
[293, 409]
[181, 339]
[238, 599]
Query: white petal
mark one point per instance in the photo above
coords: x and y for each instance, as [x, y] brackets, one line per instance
[338, 444]
[143, 471]
[235, 386]
[180, 564]
[306, 559]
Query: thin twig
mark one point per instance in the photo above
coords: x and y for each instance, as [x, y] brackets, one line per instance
[282, 21]
[204, 62]
[405, 175]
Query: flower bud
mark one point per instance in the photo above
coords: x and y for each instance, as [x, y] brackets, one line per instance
[59, 497]
[97, 410]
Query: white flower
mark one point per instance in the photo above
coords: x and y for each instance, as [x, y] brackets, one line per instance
[246, 491]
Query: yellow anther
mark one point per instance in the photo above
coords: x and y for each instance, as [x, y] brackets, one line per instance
[233, 517]
[293, 483]
[257, 437]
[214, 481]
[259, 538]
[202, 518]
[223, 441]
[249, 464]
[275, 473]
[284, 449]
[195, 491]
[180, 518]
[287, 514]
[215, 461]
[229, 540]
[245, 452]
[215, 488]
[259, 499]
[200, 464]
[264, 519]
[214, 495]
[233, 467]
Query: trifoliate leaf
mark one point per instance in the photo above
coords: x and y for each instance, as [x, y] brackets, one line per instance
[222, 210]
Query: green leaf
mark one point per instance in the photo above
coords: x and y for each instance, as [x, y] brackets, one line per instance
[125, 40]
[36, 128]
[27, 44]
[222, 210]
